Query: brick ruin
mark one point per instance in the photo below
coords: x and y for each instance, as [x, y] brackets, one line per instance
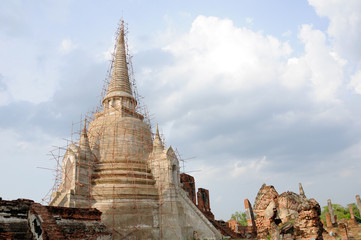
[202, 202]
[342, 228]
[248, 231]
[294, 216]
[287, 215]
[189, 186]
[275, 216]
[24, 219]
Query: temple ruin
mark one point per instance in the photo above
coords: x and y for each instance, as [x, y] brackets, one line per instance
[25, 219]
[288, 215]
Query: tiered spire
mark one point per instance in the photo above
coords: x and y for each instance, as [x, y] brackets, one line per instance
[157, 143]
[84, 141]
[119, 84]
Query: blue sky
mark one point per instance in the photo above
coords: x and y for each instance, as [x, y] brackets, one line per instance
[249, 92]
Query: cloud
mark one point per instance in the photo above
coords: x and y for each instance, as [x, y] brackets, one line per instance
[235, 90]
[17, 155]
[4, 94]
[249, 20]
[345, 173]
[287, 33]
[67, 46]
[29, 77]
[356, 82]
[344, 34]
[326, 69]
[244, 168]
[344, 28]
[230, 95]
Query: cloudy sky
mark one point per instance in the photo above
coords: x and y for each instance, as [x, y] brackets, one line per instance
[249, 92]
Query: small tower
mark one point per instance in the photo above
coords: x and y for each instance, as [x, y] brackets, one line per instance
[85, 164]
[157, 142]
[77, 168]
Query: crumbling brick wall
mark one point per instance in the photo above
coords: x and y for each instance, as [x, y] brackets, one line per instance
[204, 203]
[189, 186]
[288, 215]
[25, 219]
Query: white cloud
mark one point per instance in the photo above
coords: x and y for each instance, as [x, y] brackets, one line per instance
[356, 82]
[345, 173]
[344, 31]
[287, 33]
[216, 48]
[19, 156]
[219, 199]
[344, 27]
[243, 168]
[320, 64]
[296, 73]
[249, 20]
[231, 94]
[29, 71]
[67, 46]
[307, 183]
[5, 97]
[250, 80]
[107, 55]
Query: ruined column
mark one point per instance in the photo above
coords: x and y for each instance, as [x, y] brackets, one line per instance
[189, 186]
[249, 213]
[203, 203]
[330, 210]
[352, 220]
[302, 193]
[328, 220]
[358, 202]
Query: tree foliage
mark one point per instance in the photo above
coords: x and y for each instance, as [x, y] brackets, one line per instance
[241, 217]
[341, 212]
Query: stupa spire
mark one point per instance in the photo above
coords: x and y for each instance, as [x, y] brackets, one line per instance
[119, 85]
[84, 141]
[157, 143]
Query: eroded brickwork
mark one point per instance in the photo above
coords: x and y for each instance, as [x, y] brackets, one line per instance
[189, 186]
[204, 202]
[25, 219]
[286, 216]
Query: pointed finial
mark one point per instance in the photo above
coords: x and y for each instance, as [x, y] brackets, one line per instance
[121, 28]
[83, 140]
[157, 143]
[84, 127]
[119, 85]
[302, 193]
[157, 132]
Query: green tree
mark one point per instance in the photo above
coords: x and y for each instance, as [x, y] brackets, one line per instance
[241, 217]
